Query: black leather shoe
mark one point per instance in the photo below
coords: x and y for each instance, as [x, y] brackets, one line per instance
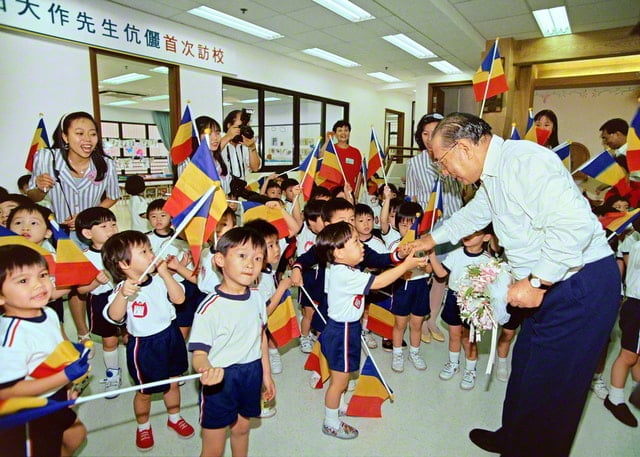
[621, 412]
[485, 439]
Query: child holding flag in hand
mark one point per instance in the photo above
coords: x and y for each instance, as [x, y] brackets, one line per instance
[339, 247]
[30, 356]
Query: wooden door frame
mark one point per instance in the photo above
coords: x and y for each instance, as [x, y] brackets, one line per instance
[400, 133]
[430, 104]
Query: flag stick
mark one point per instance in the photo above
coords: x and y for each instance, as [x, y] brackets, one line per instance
[179, 229]
[486, 87]
[384, 383]
[379, 149]
[313, 303]
[435, 203]
[195, 127]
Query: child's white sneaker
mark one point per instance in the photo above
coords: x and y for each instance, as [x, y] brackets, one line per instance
[417, 360]
[449, 369]
[468, 380]
[306, 344]
[599, 387]
[397, 362]
[112, 382]
[502, 373]
[276, 362]
[369, 340]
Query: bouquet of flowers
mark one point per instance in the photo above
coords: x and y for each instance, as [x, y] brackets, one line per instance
[482, 296]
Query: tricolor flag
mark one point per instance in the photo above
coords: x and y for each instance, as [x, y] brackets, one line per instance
[376, 156]
[536, 134]
[255, 186]
[182, 145]
[331, 170]
[412, 234]
[40, 141]
[64, 354]
[310, 168]
[254, 210]
[564, 152]
[633, 144]
[491, 74]
[620, 224]
[283, 323]
[7, 237]
[605, 169]
[381, 320]
[369, 394]
[317, 363]
[434, 209]
[198, 177]
[515, 135]
[73, 268]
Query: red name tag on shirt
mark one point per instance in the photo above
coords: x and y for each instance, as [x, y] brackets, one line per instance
[139, 309]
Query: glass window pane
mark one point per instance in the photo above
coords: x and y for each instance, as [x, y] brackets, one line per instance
[278, 129]
[335, 113]
[310, 125]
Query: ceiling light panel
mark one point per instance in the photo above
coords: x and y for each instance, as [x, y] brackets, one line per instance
[326, 55]
[445, 67]
[384, 77]
[346, 9]
[123, 79]
[233, 22]
[408, 45]
[553, 21]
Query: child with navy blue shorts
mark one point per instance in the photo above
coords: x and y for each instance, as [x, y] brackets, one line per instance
[94, 226]
[339, 247]
[229, 333]
[156, 349]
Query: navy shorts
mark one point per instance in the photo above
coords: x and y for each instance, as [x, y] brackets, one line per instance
[451, 310]
[630, 325]
[341, 345]
[192, 298]
[98, 325]
[239, 393]
[157, 357]
[411, 297]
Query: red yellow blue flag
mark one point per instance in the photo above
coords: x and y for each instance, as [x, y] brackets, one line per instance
[620, 224]
[40, 141]
[331, 170]
[283, 323]
[7, 237]
[491, 74]
[434, 209]
[255, 186]
[536, 134]
[198, 177]
[381, 320]
[254, 210]
[633, 144]
[310, 167]
[515, 135]
[605, 169]
[73, 268]
[564, 153]
[182, 145]
[376, 156]
[412, 234]
[370, 392]
[317, 362]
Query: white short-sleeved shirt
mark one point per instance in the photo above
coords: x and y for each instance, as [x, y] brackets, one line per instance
[377, 245]
[305, 240]
[457, 262]
[95, 258]
[149, 311]
[625, 245]
[391, 236]
[208, 275]
[267, 285]
[137, 206]
[346, 287]
[177, 248]
[632, 278]
[26, 343]
[229, 328]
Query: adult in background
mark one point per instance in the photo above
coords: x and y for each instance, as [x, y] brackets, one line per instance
[547, 120]
[75, 174]
[421, 177]
[239, 153]
[564, 271]
[613, 134]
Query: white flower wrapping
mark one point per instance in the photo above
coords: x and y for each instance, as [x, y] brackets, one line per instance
[482, 296]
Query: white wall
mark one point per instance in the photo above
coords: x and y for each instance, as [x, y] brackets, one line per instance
[581, 111]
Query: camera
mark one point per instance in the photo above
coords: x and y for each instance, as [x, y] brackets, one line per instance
[245, 130]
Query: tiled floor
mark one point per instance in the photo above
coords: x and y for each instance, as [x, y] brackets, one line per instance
[429, 417]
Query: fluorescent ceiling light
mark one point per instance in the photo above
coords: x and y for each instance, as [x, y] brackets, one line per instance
[122, 103]
[155, 98]
[163, 70]
[227, 104]
[408, 45]
[255, 100]
[326, 55]
[384, 77]
[346, 9]
[235, 23]
[553, 21]
[445, 67]
[123, 79]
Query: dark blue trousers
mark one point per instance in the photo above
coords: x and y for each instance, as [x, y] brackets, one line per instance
[554, 359]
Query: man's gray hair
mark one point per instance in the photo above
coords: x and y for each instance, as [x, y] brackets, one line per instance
[458, 126]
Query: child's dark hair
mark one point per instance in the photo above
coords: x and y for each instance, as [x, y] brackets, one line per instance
[395, 203]
[332, 237]
[289, 182]
[229, 213]
[336, 191]
[272, 184]
[202, 124]
[118, 249]
[263, 227]
[91, 217]
[363, 210]
[319, 191]
[313, 210]
[335, 204]
[15, 257]
[239, 236]
[157, 204]
[408, 211]
[31, 208]
[134, 185]
[23, 181]
[392, 187]
[18, 198]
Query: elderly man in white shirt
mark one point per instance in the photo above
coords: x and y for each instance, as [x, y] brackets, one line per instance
[564, 271]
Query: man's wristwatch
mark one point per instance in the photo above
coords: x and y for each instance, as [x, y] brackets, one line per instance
[534, 281]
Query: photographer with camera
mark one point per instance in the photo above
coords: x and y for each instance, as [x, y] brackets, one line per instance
[239, 149]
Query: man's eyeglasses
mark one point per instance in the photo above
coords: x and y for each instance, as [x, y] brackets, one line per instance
[438, 163]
